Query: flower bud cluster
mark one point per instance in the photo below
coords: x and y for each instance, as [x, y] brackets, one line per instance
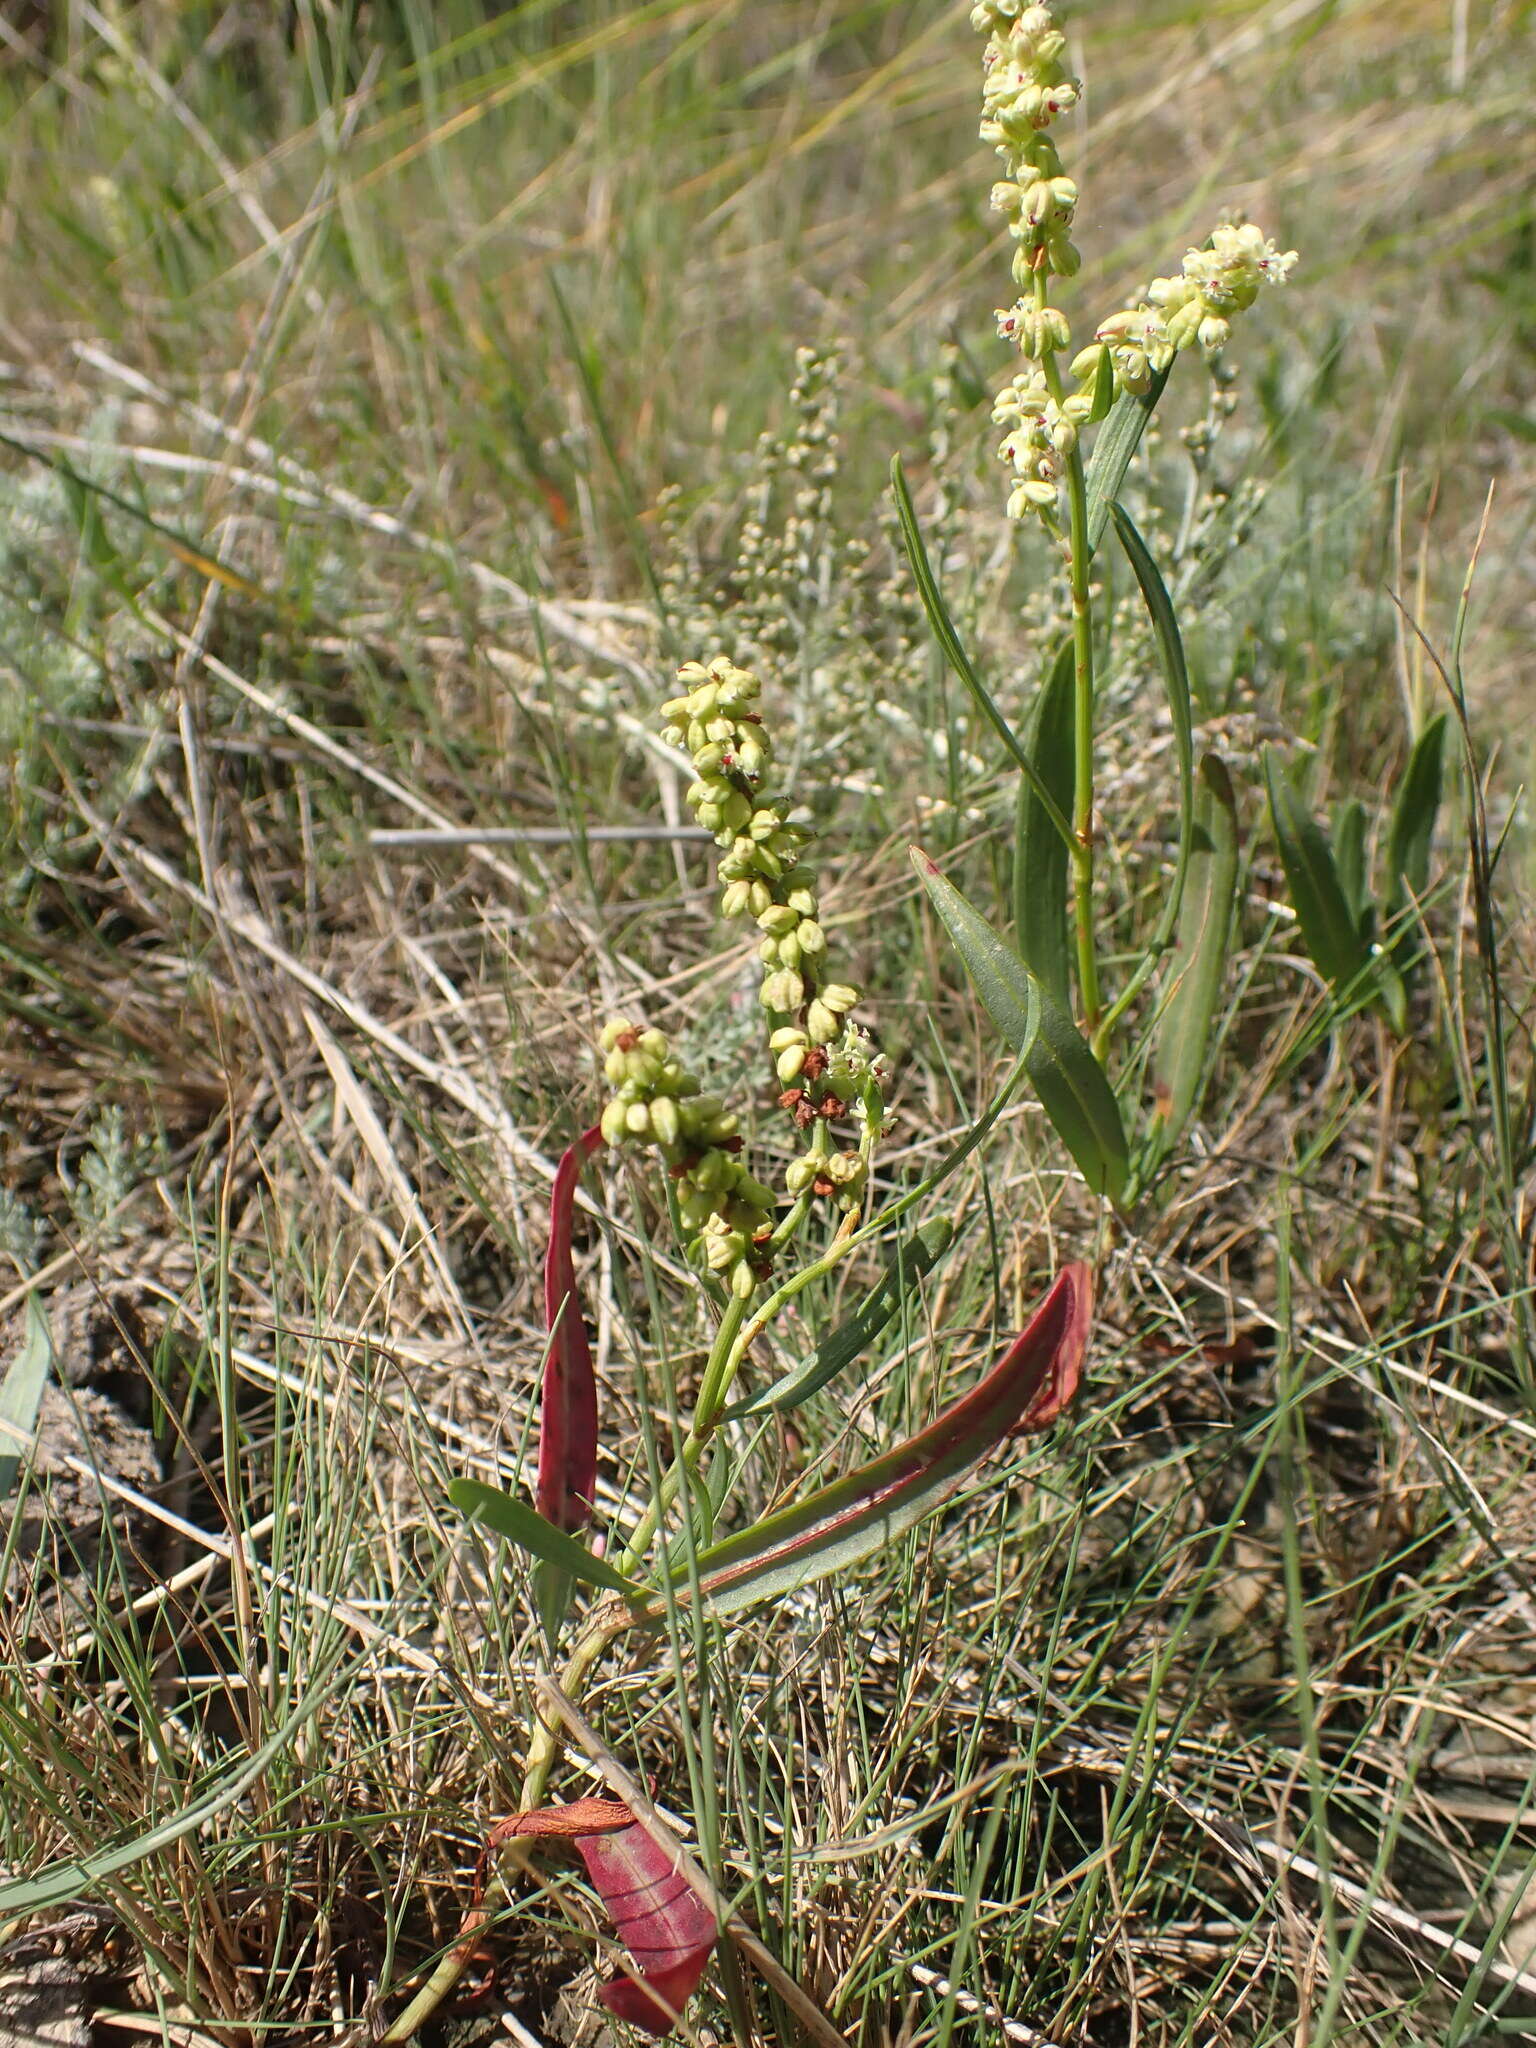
[1223, 278]
[764, 876]
[1024, 88]
[726, 1212]
[1041, 434]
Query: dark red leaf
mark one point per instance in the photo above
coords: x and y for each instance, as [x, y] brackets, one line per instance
[568, 1418]
[844, 1522]
[577, 1817]
[667, 1928]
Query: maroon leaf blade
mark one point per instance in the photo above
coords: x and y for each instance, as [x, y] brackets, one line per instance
[841, 1524]
[667, 1928]
[568, 1416]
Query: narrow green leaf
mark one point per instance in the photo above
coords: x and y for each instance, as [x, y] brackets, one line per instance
[1322, 908]
[1040, 854]
[1349, 857]
[1103, 389]
[21, 1392]
[1073, 1089]
[1117, 441]
[1200, 958]
[1170, 658]
[1414, 810]
[839, 1525]
[530, 1531]
[908, 1263]
[948, 636]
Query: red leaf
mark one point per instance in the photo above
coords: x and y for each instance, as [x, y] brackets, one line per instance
[667, 1928]
[568, 1418]
[576, 1817]
[843, 1522]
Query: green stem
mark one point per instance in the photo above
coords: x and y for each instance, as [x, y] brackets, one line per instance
[1080, 558]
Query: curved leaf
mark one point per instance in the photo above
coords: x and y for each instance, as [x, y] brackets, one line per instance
[1117, 441]
[1073, 1089]
[1322, 909]
[1170, 658]
[1200, 959]
[1040, 854]
[841, 1524]
[947, 634]
[21, 1392]
[1414, 809]
[667, 1928]
[535, 1533]
[908, 1263]
[568, 1415]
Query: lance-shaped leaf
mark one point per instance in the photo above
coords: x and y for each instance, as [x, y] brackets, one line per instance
[947, 634]
[1170, 659]
[21, 1393]
[1200, 959]
[1412, 830]
[668, 1929]
[1073, 1088]
[568, 1416]
[841, 1524]
[535, 1533]
[911, 1261]
[1116, 442]
[1327, 923]
[1040, 854]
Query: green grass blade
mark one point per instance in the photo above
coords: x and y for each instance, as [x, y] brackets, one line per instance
[1414, 810]
[528, 1529]
[1073, 1088]
[1327, 924]
[1040, 854]
[909, 1263]
[1118, 439]
[21, 1392]
[1205, 926]
[79, 1877]
[948, 636]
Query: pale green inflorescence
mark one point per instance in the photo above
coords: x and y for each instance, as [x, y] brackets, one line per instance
[826, 1063]
[1025, 88]
[656, 1101]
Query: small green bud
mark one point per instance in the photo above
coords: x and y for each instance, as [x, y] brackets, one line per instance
[778, 919]
[615, 1029]
[614, 1123]
[790, 1063]
[736, 899]
[666, 1123]
[837, 995]
[783, 991]
[787, 1035]
[616, 1067]
[811, 937]
[802, 900]
[743, 1281]
[789, 950]
[822, 1023]
[799, 1174]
